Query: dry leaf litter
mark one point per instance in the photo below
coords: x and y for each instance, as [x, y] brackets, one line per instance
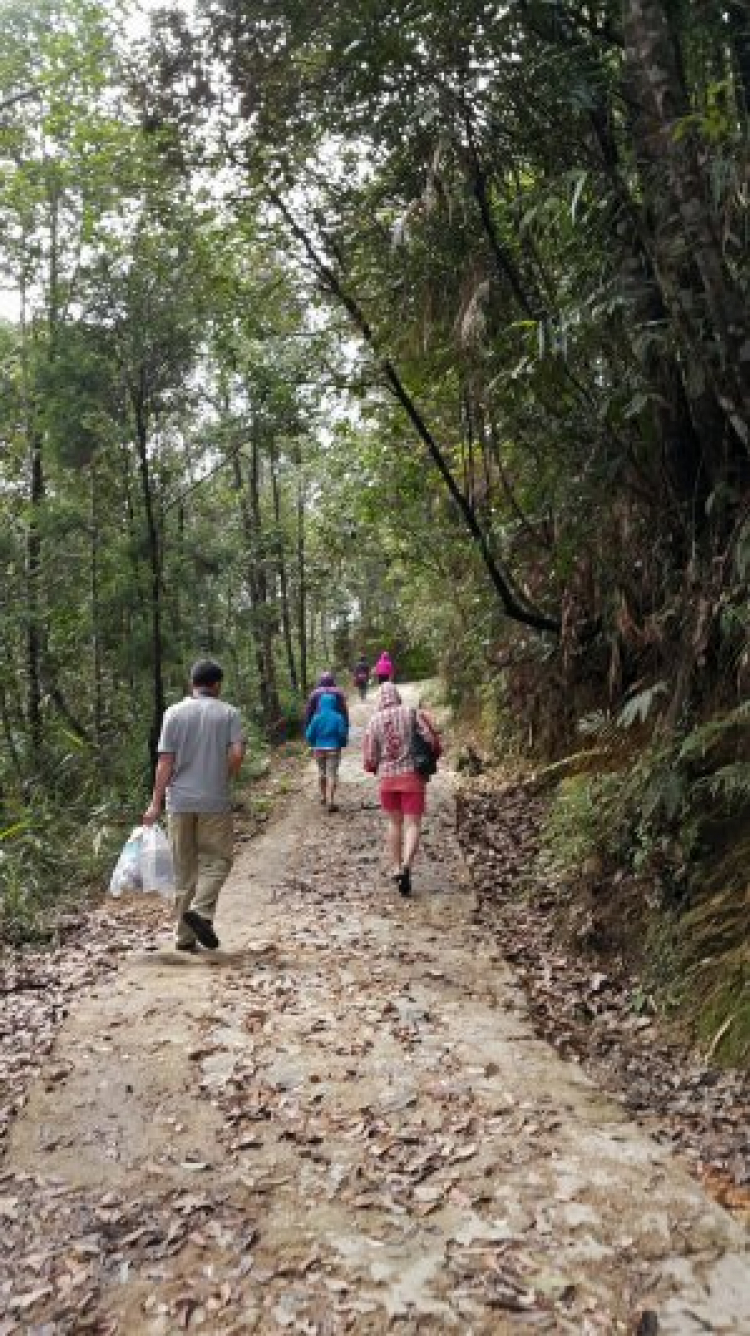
[341, 1122]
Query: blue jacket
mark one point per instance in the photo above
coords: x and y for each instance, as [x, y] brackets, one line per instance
[328, 729]
[313, 701]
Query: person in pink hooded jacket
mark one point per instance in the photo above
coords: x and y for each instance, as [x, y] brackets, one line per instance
[384, 670]
[388, 753]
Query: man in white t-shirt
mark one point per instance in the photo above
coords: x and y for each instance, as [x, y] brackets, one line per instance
[201, 748]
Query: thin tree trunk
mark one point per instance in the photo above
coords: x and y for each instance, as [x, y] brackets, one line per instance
[33, 536]
[738, 16]
[97, 712]
[154, 559]
[312, 637]
[246, 519]
[286, 621]
[301, 582]
[176, 601]
[10, 737]
[324, 643]
[265, 612]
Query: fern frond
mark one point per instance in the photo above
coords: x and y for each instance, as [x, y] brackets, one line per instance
[731, 783]
[637, 709]
[698, 742]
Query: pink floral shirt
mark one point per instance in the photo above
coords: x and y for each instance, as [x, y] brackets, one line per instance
[387, 741]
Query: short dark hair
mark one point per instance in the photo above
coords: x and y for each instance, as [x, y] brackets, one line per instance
[206, 673]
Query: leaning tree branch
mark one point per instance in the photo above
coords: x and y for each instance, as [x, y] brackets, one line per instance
[515, 609]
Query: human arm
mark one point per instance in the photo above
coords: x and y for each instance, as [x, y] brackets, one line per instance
[236, 748]
[371, 750]
[342, 706]
[164, 771]
[310, 708]
[235, 757]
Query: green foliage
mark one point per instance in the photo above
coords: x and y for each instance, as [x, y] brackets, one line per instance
[637, 708]
[539, 407]
[53, 856]
[678, 820]
[588, 818]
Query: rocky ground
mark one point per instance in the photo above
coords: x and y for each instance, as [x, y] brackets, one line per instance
[342, 1121]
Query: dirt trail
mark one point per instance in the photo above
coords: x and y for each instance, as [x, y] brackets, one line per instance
[355, 1132]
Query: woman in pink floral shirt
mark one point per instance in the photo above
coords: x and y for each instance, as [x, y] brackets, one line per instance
[387, 754]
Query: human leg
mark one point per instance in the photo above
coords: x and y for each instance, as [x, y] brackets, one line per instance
[412, 829]
[215, 852]
[391, 805]
[320, 758]
[181, 827]
[332, 777]
[394, 840]
[412, 802]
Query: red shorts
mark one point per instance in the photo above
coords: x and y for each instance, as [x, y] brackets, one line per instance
[403, 795]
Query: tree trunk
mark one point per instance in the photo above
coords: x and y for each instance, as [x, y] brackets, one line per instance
[247, 529]
[687, 418]
[33, 595]
[265, 612]
[738, 15]
[286, 621]
[324, 642]
[10, 737]
[179, 575]
[33, 536]
[686, 241]
[97, 711]
[154, 559]
[301, 581]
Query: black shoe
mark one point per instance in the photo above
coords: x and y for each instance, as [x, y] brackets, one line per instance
[404, 882]
[192, 947]
[202, 929]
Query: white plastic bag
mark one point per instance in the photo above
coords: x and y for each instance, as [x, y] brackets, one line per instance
[145, 864]
[157, 868]
[127, 874]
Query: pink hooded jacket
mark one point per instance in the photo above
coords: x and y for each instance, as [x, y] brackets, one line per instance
[384, 666]
[387, 741]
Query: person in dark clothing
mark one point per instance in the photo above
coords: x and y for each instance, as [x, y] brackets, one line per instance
[361, 676]
[326, 683]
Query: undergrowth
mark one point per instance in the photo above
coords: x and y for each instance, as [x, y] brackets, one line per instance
[58, 847]
[49, 860]
[673, 821]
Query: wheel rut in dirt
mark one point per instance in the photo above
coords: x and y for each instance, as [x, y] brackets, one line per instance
[342, 1121]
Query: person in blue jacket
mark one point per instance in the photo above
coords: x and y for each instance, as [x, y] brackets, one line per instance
[327, 732]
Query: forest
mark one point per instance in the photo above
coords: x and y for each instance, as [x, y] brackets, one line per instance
[330, 328]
